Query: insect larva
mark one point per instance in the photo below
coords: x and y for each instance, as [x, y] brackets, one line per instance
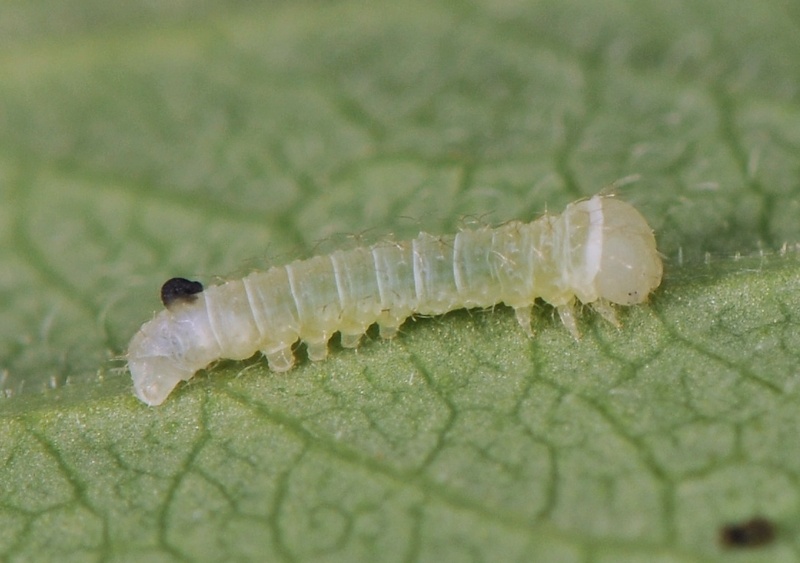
[599, 251]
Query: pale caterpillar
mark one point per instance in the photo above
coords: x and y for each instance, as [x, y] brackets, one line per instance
[599, 251]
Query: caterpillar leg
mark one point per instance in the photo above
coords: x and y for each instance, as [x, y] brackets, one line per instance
[607, 311]
[567, 314]
[317, 350]
[388, 331]
[351, 340]
[280, 360]
[524, 318]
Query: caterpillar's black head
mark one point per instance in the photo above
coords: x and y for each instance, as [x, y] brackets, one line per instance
[179, 290]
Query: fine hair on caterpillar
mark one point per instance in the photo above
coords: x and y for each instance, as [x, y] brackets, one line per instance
[600, 251]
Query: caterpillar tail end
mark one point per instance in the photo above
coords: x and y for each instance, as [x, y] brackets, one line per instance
[155, 368]
[154, 378]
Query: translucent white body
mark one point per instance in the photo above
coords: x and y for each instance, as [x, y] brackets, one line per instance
[599, 251]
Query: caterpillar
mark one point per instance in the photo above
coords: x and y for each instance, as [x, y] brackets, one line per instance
[599, 251]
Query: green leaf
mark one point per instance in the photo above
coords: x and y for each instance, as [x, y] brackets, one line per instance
[141, 141]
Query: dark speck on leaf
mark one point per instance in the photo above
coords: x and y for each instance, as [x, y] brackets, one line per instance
[756, 532]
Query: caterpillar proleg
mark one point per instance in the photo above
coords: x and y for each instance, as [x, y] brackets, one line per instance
[599, 251]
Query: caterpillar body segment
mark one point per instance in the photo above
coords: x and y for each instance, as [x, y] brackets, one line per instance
[598, 251]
